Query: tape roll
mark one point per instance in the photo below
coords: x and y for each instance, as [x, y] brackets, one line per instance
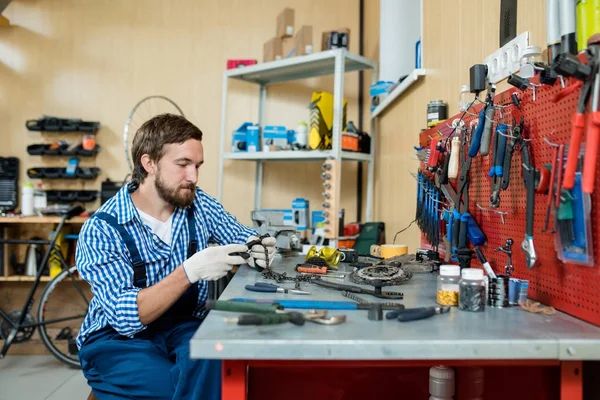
[392, 250]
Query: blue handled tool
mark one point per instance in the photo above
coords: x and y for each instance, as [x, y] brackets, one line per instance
[311, 304]
[476, 137]
[265, 287]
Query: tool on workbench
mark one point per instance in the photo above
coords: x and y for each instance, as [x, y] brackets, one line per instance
[377, 292]
[486, 265]
[265, 287]
[507, 249]
[415, 314]
[261, 319]
[589, 74]
[305, 304]
[375, 312]
[381, 274]
[360, 300]
[497, 168]
[311, 269]
[271, 310]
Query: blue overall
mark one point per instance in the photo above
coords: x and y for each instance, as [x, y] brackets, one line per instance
[155, 363]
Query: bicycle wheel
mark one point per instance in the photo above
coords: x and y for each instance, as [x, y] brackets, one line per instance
[144, 110]
[61, 313]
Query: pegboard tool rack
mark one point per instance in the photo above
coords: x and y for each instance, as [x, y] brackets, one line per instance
[570, 288]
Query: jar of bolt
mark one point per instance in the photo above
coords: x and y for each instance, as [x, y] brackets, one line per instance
[447, 285]
[471, 296]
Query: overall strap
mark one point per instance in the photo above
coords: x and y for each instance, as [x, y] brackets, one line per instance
[193, 245]
[139, 267]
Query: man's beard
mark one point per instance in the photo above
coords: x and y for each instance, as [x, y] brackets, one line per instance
[177, 197]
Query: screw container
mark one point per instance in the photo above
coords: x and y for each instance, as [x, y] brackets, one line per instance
[472, 290]
[498, 291]
[447, 285]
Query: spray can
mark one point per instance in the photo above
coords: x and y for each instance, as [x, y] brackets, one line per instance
[588, 21]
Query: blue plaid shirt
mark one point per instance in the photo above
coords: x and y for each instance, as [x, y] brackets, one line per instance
[103, 259]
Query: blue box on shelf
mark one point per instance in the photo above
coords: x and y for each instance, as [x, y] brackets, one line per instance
[253, 139]
[274, 135]
[240, 137]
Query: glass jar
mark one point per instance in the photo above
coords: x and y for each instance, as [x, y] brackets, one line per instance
[471, 295]
[447, 285]
[465, 97]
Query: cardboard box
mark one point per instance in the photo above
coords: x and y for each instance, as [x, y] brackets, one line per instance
[326, 43]
[285, 23]
[288, 47]
[273, 50]
[304, 40]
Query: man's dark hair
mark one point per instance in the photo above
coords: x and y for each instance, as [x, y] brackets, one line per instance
[154, 134]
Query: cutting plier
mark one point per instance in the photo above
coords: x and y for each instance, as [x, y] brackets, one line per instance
[265, 287]
[414, 314]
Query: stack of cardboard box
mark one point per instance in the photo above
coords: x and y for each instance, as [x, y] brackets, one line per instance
[288, 41]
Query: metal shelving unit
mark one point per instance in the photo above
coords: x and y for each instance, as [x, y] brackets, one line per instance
[330, 62]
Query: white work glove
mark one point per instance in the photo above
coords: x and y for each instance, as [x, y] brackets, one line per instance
[257, 252]
[213, 262]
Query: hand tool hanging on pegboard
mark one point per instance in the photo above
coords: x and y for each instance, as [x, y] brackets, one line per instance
[480, 142]
[497, 169]
[570, 65]
[529, 176]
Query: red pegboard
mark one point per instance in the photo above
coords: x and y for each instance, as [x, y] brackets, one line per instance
[570, 288]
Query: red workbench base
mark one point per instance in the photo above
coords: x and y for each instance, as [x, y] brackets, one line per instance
[349, 380]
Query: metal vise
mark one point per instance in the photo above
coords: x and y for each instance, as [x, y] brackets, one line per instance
[271, 222]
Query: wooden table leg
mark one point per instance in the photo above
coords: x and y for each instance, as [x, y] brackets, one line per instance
[234, 380]
[571, 380]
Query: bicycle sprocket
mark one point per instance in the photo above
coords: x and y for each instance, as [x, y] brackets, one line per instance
[24, 334]
[389, 275]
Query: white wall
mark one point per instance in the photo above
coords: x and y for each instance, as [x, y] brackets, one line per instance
[399, 31]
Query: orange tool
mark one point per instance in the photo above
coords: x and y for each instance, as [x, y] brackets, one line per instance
[311, 269]
[592, 140]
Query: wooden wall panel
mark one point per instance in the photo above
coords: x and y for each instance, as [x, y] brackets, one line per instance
[95, 60]
[456, 35]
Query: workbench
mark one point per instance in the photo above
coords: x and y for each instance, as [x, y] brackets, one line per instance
[509, 337]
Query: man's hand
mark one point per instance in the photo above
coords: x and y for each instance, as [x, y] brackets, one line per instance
[257, 252]
[213, 263]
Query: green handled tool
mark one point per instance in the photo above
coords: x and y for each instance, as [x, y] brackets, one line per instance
[262, 314]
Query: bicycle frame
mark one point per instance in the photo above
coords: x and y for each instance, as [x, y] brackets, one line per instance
[16, 326]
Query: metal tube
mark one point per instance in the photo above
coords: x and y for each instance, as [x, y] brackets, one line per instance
[222, 147]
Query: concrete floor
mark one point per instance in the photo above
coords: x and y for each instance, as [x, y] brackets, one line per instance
[40, 378]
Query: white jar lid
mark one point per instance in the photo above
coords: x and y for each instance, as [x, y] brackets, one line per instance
[472, 273]
[450, 270]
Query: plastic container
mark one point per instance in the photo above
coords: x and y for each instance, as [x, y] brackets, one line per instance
[465, 97]
[40, 201]
[437, 111]
[447, 285]
[441, 383]
[302, 135]
[470, 383]
[27, 199]
[472, 290]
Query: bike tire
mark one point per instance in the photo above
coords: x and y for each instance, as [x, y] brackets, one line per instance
[70, 360]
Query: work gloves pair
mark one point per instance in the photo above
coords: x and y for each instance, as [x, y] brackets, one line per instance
[215, 262]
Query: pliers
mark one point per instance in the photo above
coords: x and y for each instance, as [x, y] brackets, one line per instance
[414, 314]
[265, 287]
